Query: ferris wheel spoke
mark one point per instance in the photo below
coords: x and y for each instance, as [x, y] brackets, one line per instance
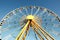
[10, 35]
[22, 18]
[7, 37]
[31, 7]
[16, 30]
[38, 20]
[45, 10]
[15, 12]
[57, 25]
[8, 28]
[26, 10]
[31, 11]
[56, 33]
[21, 11]
[37, 11]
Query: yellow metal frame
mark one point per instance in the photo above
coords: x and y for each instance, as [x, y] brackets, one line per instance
[35, 29]
[22, 31]
[25, 33]
[42, 31]
[35, 26]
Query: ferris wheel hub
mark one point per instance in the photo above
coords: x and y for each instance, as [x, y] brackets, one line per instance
[30, 17]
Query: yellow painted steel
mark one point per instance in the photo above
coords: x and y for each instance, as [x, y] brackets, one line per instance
[41, 38]
[30, 17]
[42, 31]
[22, 31]
[25, 33]
[31, 22]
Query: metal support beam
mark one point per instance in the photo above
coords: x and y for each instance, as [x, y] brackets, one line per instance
[42, 30]
[35, 26]
[22, 31]
[26, 33]
[35, 30]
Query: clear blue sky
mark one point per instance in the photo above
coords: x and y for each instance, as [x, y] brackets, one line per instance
[9, 5]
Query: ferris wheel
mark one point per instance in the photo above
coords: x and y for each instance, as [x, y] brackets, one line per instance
[30, 23]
